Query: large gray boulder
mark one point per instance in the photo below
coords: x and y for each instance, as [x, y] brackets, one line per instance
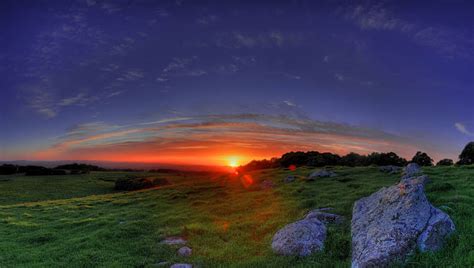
[300, 238]
[388, 225]
[320, 174]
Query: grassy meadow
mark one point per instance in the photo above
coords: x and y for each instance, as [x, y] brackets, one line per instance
[81, 221]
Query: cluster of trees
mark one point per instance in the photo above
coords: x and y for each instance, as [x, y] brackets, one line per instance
[317, 159]
[8, 169]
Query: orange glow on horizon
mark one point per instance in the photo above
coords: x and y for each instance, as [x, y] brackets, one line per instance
[233, 161]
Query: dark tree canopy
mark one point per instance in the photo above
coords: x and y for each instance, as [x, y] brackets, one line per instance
[445, 162]
[467, 155]
[422, 159]
[317, 159]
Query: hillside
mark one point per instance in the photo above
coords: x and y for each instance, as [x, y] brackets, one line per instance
[81, 221]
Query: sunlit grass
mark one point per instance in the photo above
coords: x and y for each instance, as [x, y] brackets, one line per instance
[82, 221]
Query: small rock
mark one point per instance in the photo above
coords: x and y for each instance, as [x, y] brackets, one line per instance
[174, 240]
[185, 251]
[324, 217]
[300, 238]
[390, 169]
[181, 265]
[160, 264]
[267, 184]
[321, 174]
[289, 179]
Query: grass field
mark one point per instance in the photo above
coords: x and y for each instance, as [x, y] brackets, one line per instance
[80, 221]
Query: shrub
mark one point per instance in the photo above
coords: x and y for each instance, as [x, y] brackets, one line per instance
[422, 159]
[7, 169]
[81, 167]
[445, 162]
[42, 171]
[137, 183]
[467, 155]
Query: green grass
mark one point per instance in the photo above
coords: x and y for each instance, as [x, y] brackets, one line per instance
[80, 221]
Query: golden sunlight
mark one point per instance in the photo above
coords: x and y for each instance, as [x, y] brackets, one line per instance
[233, 161]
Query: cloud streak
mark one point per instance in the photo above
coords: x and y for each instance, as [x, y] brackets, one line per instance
[208, 139]
[462, 128]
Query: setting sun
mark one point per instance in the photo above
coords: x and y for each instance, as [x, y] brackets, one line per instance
[233, 162]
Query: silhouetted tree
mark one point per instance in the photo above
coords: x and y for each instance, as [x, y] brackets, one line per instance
[80, 167]
[467, 155]
[445, 162]
[385, 159]
[353, 159]
[293, 158]
[422, 159]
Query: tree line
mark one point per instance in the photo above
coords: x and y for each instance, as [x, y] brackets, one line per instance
[317, 159]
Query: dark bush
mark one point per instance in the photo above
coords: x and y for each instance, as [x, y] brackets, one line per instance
[422, 159]
[42, 171]
[353, 160]
[385, 159]
[137, 183]
[467, 155]
[80, 167]
[7, 169]
[78, 171]
[445, 162]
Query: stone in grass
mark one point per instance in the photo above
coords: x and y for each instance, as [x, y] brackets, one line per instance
[390, 169]
[306, 236]
[289, 178]
[267, 184]
[174, 240]
[324, 217]
[300, 238]
[321, 174]
[185, 251]
[181, 265]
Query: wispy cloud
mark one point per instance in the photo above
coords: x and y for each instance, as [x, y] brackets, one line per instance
[268, 39]
[462, 128]
[446, 41]
[208, 19]
[339, 77]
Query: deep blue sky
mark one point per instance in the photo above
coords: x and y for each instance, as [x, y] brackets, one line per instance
[93, 79]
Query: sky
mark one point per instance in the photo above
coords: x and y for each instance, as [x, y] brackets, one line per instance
[213, 82]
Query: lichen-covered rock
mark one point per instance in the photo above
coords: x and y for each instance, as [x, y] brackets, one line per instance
[438, 228]
[321, 174]
[411, 170]
[389, 224]
[300, 238]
